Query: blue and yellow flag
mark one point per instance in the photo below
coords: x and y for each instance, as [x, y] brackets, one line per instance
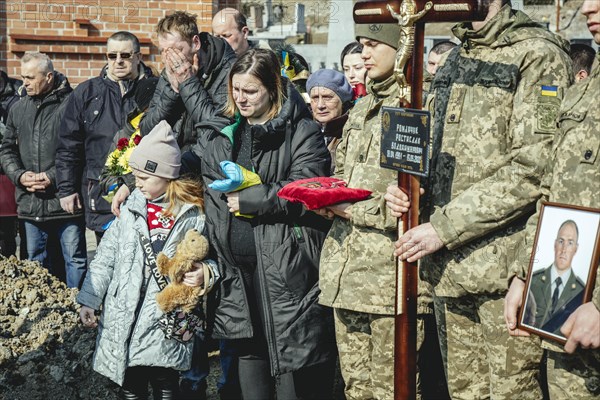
[551, 91]
[287, 69]
[238, 178]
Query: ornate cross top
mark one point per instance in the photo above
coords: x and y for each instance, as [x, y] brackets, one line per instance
[407, 17]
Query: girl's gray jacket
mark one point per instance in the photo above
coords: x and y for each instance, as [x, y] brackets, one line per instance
[128, 332]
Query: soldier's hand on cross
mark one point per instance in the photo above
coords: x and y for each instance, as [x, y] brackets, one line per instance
[418, 242]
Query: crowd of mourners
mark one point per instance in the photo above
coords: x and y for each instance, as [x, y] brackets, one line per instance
[297, 300]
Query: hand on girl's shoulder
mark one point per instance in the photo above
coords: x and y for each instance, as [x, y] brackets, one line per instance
[119, 198]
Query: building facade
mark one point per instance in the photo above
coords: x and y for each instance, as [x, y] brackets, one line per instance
[73, 32]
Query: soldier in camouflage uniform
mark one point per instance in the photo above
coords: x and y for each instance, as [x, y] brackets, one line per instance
[573, 177]
[496, 99]
[357, 274]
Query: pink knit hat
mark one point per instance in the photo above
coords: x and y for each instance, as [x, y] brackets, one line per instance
[158, 153]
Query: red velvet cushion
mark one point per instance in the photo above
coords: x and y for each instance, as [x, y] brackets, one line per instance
[321, 192]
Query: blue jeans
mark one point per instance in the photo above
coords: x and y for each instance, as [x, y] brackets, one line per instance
[71, 235]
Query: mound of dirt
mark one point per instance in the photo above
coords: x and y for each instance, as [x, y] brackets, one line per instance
[45, 353]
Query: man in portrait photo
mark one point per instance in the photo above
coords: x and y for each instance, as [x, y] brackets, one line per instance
[556, 291]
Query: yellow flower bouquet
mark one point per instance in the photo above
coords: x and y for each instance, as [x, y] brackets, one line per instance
[117, 162]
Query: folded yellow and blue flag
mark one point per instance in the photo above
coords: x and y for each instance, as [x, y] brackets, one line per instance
[551, 91]
[238, 178]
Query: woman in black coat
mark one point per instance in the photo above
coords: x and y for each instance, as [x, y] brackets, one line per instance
[268, 297]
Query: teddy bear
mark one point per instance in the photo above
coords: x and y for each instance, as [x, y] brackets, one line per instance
[193, 248]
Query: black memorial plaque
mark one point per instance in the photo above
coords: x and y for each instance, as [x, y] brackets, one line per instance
[405, 140]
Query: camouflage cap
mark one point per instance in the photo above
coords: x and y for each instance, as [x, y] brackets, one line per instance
[384, 33]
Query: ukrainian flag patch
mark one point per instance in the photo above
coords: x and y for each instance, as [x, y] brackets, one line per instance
[551, 91]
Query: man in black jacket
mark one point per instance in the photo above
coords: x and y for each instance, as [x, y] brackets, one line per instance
[27, 153]
[97, 109]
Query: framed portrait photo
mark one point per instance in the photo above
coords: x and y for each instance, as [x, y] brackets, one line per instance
[562, 268]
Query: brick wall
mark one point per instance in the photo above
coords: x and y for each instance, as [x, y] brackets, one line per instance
[73, 33]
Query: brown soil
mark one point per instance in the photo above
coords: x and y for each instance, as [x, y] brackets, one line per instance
[45, 353]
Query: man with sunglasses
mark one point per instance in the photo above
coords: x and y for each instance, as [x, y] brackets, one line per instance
[94, 112]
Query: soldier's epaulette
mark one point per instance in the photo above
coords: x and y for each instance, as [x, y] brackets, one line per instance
[539, 271]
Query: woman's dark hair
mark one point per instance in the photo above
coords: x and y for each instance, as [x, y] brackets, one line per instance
[264, 66]
[351, 48]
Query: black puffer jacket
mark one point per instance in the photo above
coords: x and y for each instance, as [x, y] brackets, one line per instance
[200, 97]
[94, 113]
[299, 331]
[29, 144]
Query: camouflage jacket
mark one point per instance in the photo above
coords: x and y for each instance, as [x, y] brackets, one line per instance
[573, 174]
[496, 98]
[357, 269]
